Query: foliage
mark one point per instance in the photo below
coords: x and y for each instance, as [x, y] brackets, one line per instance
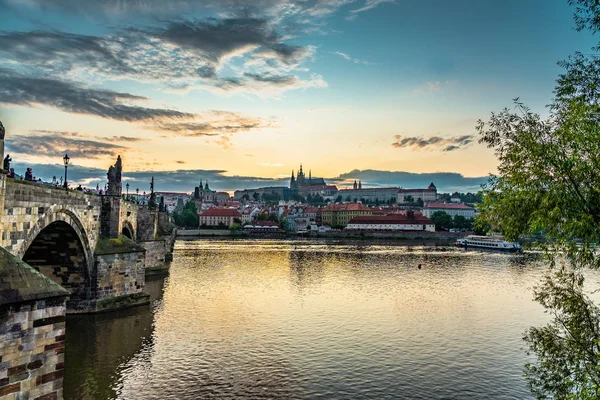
[270, 198]
[316, 199]
[235, 227]
[442, 220]
[188, 217]
[567, 348]
[549, 181]
[461, 222]
[481, 226]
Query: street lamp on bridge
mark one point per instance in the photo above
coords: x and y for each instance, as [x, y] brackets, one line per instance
[66, 159]
[127, 187]
[137, 193]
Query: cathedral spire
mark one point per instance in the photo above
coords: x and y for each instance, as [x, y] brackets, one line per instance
[359, 184]
[355, 184]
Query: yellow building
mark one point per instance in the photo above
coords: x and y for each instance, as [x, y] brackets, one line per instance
[338, 215]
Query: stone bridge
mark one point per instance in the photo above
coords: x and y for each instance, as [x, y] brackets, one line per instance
[98, 247]
[67, 251]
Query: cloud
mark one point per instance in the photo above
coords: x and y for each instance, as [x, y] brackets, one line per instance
[181, 54]
[213, 123]
[444, 181]
[180, 162]
[71, 97]
[351, 59]
[269, 164]
[369, 5]
[74, 98]
[433, 142]
[56, 144]
[428, 87]
[113, 9]
[183, 180]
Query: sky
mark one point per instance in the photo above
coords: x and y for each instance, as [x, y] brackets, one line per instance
[241, 92]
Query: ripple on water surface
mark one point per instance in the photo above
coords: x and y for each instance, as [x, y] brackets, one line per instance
[306, 319]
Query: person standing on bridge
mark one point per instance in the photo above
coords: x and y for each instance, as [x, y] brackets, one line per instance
[28, 174]
[7, 161]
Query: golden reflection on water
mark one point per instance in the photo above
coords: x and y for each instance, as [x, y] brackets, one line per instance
[306, 319]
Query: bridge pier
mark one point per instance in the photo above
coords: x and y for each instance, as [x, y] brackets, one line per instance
[65, 251]
[32, 332]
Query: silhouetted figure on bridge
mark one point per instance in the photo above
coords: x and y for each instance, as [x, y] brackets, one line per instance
[29, 175]
[7, 161]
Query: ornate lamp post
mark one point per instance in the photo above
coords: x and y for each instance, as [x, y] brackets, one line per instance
[66, 159]
[127, 187]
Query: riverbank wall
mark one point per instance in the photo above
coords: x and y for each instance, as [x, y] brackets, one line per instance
[417, 237]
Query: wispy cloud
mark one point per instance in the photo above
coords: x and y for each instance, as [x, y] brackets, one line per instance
[433, 142]
[54, 144]
[432, 87]
[428, 87]
[368, 5]
[73, 98]
[351, 59]
[189, 54]
[270, 164]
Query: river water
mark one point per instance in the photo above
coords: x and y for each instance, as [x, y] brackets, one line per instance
[308, 319]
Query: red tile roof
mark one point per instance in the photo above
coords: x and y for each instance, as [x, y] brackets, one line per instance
[220, 212]
[454, 206]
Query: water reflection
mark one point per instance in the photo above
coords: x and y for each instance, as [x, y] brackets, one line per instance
[309, 319]
[98, 345]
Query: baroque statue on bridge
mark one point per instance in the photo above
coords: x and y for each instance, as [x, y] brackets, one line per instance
[152, 201]
[114, 178]
[2, 131]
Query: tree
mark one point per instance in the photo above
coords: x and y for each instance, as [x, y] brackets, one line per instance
[420, 202]
[245, 197]
[409, 199]
[548, 180]
[338, 199]
[256, 196]
[460, 222]
[188, 217]
[442, 220]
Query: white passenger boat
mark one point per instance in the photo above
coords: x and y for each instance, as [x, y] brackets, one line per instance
[488, 242]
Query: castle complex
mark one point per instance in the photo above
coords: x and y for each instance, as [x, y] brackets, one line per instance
[301, 182]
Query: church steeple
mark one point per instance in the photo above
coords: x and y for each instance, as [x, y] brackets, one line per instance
[355, 184]
[359, 184]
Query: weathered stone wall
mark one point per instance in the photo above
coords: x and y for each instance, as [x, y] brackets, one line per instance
[29, 207]
[110, 216]
[32, 336]
[119, 274]
[32, 332]
[147, 223]
[128, 217]
[118, 280]
[158, 254]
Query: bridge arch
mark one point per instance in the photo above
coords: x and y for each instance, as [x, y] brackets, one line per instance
[128, 230]
[58, 246]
